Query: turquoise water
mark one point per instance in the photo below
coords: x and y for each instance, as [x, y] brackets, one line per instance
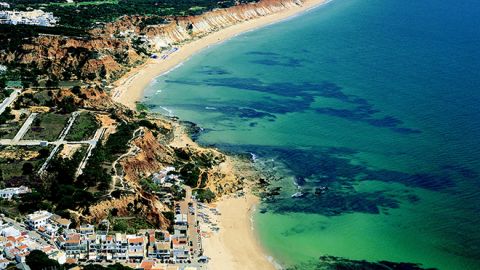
[375, 101]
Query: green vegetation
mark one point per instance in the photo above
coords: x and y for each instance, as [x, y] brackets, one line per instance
[141, 107]
[4, 93]
[10, 129]
[9, 32]
[204, 195]
[190, 173]
[149, 186]
[18, 165]
[96, 173]
[131, 225]
[170, 216]
[89, 12]
[83, 128]
[79, 3]
[47, 126]
[61, 188]
[39, 260]
[6, 116]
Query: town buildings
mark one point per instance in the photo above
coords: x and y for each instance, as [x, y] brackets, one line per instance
[16, 243]
[33, 17]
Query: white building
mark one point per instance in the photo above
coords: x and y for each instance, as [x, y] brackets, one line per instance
[34, 17]
[4, 5]
[10, 231]
[38, 219]
[8, 193]
[163, 176]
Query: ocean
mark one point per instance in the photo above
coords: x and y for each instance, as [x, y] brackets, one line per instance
[370, 109]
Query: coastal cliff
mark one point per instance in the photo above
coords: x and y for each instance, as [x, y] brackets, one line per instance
[182, 29]
[105, 53]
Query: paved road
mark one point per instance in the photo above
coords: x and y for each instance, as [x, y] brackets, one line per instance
[9, 100]
[65, 131]
[92, 144]
[25, 127]
[193, 228]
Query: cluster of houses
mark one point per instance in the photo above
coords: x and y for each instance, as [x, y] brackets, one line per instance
[32, 17]
[16, 243]
[150, 248]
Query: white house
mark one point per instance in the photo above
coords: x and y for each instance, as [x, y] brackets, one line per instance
[10, 231]
[8, 193]
[38, 219]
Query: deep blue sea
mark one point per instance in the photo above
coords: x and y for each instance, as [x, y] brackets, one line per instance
[371, 108]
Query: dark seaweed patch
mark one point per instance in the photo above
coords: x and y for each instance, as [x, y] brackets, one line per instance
[275, 59]
[299, 97]
[365, 114]
[289, 62]
[331, 168]
[212, 70]
[339, 263]
[336, 202]
[262, 53]
[423, 180]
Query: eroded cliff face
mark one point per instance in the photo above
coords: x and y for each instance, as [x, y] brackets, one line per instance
[182, 29]
[144, 205]
[150, 156]
[69, 58]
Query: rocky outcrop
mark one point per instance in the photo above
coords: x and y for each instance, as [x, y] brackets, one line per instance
[151, 156]
[128, 205]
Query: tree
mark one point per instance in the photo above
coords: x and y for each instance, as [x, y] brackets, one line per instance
[51, 83]
[37, 260]
[67, 105]
[205, 195]
[27, 168]
[76, 90]
[43, 153]
[25, 84]
[3, 82]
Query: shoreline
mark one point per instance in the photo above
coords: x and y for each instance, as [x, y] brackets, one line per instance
[236, 245]
[130, 88]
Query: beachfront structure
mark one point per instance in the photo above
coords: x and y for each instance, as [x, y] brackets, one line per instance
[85, 243]
[34, 17]
[60, 222]
[136, 247]
[74, 245]
[86, 229]
[9, 193]
[38, 219]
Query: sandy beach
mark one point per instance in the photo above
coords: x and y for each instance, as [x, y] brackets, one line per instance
[130, 88]
[235, 245]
